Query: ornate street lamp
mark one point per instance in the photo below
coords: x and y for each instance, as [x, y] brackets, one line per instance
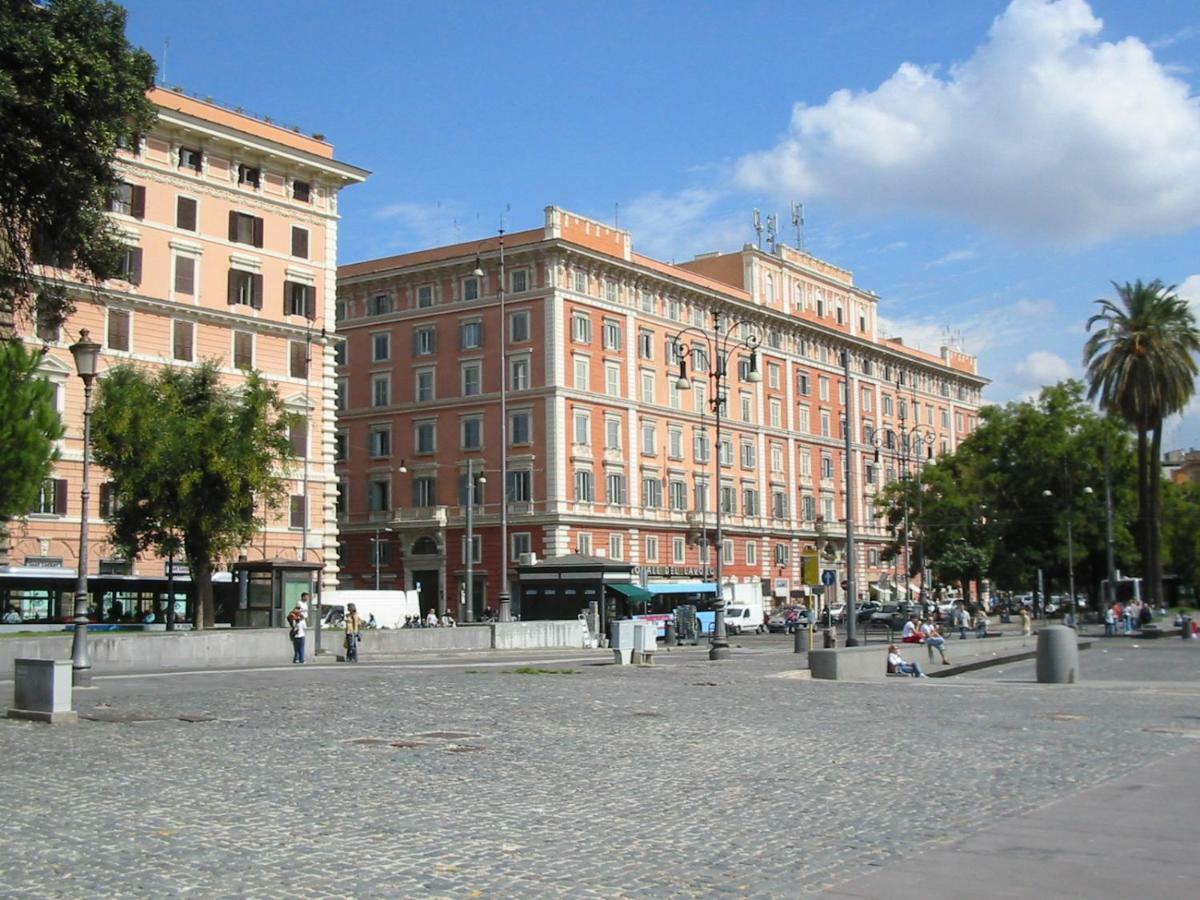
[718, 345]
[87, 356]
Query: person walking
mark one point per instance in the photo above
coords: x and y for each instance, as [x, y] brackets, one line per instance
[353, 622]
[981, 623]
[299, 629]
[1110, 623]
[962, 619]
[1026, 623]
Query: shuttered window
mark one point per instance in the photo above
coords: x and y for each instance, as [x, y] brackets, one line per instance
[243, 350]
[118, 329]
[185, 275]
[245, 229]
[300, 242]
[245, 288]
[299, 299]
[185, 213]
[298, 359]
[183, 340]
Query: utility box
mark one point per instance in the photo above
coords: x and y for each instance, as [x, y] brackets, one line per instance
[622, 640]
[644, 642]
[42, 691]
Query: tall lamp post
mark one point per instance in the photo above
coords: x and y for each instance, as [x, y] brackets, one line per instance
[505, 598]
[718, 345]
[87, 355]
[468, 614]
[907, 444]
[1069, 506]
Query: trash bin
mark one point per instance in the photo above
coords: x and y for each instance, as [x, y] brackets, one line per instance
[801, 642]
[1185, 627]
[669, 632]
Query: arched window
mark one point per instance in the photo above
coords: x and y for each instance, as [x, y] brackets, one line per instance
[425, 546]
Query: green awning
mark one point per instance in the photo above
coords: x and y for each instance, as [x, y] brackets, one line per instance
[632, 592]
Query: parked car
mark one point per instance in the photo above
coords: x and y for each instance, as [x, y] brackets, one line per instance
[740, 619]
[788, 619]
[864, 611]
[838, 612]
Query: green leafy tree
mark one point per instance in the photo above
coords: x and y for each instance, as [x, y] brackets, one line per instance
[1181, 535]
[29, 427]
[192, 461]
[71, 88]
[1141, 364]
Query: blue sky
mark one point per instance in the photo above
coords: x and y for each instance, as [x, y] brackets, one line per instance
[987, 167]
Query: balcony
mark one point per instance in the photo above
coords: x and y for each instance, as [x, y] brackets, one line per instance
[420, 515]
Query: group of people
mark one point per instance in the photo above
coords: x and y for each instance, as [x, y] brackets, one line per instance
[430, 620]
[352, 623]
[1122, 618]
[918, 631]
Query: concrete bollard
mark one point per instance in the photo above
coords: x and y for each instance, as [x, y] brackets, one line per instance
[830, 639]
[801, 642]
[1057, 655]
[669, 633]
[1185, 628]
[42, 691]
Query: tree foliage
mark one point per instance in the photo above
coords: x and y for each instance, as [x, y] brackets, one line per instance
[29, 427]
[1141, 365]
[984, 510]
[71, 88]
[1181, 534]
[195, 464]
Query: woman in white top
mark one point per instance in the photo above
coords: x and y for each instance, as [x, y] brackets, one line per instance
[299, 630]
[897, 665]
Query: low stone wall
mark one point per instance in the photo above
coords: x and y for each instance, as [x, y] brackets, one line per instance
[123, 651]
[869, 662]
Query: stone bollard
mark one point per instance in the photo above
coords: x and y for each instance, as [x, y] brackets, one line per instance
[1185, 628]
[801, 641]
[42, 691]
[669, 633]
[1057, 655]
[830, 639]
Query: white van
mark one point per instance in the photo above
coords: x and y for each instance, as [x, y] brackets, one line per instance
[744, 609]
[390, 608]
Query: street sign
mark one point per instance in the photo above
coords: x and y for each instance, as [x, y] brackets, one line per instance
[829, 577]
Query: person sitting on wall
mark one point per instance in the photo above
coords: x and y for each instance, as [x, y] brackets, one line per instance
[11, 616]
[897, 665]
[912, 630]
[371, 623]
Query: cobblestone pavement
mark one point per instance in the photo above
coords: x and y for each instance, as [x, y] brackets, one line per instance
[471, 779]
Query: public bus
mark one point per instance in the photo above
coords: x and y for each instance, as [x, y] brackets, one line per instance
[666, 598]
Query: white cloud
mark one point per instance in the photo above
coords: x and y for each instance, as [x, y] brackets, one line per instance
[425, 224]
[1041, 368]
[1045, 132]
[1189, 290]
[678, 226]
[952, 257]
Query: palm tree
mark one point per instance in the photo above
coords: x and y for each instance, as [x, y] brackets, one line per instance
[1141, 364]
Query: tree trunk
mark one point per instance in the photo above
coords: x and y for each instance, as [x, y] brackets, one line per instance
[202, 584]
[1143, 523]
[1155, 498]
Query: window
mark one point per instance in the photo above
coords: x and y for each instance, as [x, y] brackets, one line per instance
[809, 505]
[751, 553]
[245, 288]
[647, 301]
[518, 327]
[378, 495]
[131, 265]
[185, 213]
[700, 445]
[301, 191]
[299, 242]
[678, 550]
[779, 504]
[341, 442]
[381, 304]
[190, 158]
[887, 405]
[647, 387]
[580, 281]
[245, 229]
[426, 385]
[520, 280]
[582, 373]
[298, 438]
[381, 389]
[341, 389]
[470, 288]
[583, 544]
[750, 502]
[425, 296]
[425, 437]
[182, 340]
[110, 500]
[118, 330]
[678, 495]
[802, 384]
[749, 455]
[728, 499]
[585, 487]
[616, 546]
[773, 375]
[612, 335]
[249, 175]
[652, 549]
[425, 491]
[520, 486]
[826, 466]
[610, 290]
[781, 554]
[472, 433]
[299, 299]
[472, 379]
[866, 400]
[645, 345]
[581, 328]
[243, 349]
[805, 465]
[522, 543]
[649, 439]
[520, 427]
[776, 458]
[824, 388]
[615, 488]
[380, 441]
[582, 428]
[52, 498]
[470, 335]
[298, 359]
[701, 492]
[651, 492]
[776, 413]
[425, 340]
[129, 200]
[185, 274]
[825, 423]
[518, 369]
[612, 379]
[675, 443]
[726, 451]
[612, 434]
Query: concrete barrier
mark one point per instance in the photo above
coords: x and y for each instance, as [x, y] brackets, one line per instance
[42, 691]
[869, 662]
[1057, 655]
[122, 651]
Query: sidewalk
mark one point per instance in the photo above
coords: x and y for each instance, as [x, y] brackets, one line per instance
[1129, 837]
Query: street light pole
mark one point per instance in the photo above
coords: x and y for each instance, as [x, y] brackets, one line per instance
[87, 354]
[851, 580]
[719, 346]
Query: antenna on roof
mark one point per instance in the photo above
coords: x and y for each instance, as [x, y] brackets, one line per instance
[798, 223]
[616, 215]
[758, 227]
[162, 70]
[772, 222]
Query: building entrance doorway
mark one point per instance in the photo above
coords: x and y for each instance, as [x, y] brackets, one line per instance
[428, 584]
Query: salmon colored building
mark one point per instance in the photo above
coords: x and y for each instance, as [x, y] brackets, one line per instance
[232, 226]
[607, 456]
